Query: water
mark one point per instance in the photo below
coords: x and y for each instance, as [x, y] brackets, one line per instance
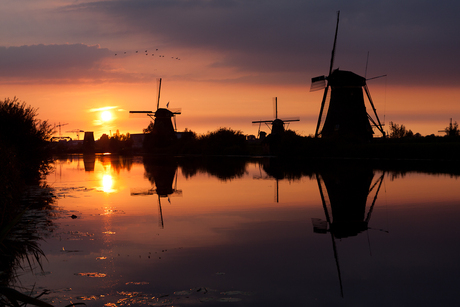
[227, 233]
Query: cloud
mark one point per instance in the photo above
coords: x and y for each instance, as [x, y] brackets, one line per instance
[57, 64]
[413, 42]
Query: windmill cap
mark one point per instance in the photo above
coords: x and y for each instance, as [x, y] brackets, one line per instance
[345, 78]
[163, 113]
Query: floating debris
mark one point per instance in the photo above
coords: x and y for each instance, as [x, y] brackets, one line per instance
[101, 258]
[95, 274]
[137, 283]
[69, 250]
[229, 299]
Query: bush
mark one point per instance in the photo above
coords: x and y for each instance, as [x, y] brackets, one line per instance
[224, 141]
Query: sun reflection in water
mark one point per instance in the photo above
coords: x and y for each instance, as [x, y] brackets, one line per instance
[107, 183]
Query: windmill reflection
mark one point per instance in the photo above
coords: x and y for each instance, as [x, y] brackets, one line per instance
[162, 173]
[344, 195]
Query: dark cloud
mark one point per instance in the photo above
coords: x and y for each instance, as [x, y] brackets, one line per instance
[412, 41]
[55, 63]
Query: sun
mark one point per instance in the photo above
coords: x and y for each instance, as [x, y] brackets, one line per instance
[106, 116]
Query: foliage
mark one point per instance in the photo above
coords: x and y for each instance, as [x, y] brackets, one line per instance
[117, 143]
[25, 138]
[223, 141]
[149, 128]
[399, 131]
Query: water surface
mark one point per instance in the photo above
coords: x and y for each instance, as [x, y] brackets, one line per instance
[143, 232]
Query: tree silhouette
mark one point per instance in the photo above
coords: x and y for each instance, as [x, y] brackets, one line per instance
[399, 131]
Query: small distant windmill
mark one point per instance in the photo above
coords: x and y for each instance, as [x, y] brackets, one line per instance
[162, 118]
[275, 125]
[346, 114]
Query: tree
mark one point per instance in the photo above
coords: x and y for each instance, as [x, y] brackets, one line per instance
[399, 131]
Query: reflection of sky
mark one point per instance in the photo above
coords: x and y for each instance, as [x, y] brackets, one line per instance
[232, 236]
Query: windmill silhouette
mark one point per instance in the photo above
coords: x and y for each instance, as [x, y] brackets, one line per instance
[163, 130]
[275, 125]
[346, 114]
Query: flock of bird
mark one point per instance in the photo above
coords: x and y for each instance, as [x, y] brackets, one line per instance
[153, 54]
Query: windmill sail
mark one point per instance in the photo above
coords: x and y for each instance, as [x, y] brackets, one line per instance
[318, 83]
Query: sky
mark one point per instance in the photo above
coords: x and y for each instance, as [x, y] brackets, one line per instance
[223, 61]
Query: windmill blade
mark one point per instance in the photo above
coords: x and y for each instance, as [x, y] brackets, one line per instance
[376, 77]
[318, 83]
[160, 212]
[176, 110]
[290, 119]
[269, 121]
[335, 41]
[142, 192]
[275, 107]
[379, 126]
[139, 114]
[159, 91]
[321, 111]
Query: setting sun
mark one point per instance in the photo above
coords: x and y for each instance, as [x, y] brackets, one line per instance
[106, 116]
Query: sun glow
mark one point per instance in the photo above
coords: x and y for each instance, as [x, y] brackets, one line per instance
[106, 116]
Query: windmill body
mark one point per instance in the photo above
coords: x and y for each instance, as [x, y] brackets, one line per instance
[162, 123]
[346, 116]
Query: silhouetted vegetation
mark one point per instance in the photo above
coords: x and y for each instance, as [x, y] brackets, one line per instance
[399, 131]
[452, 130]
[117, 143]
[23, 140]
[223, 141]
[24, 209]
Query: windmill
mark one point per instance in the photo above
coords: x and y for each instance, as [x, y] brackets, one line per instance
[346, 114]
[275, 125]
[163, 129]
